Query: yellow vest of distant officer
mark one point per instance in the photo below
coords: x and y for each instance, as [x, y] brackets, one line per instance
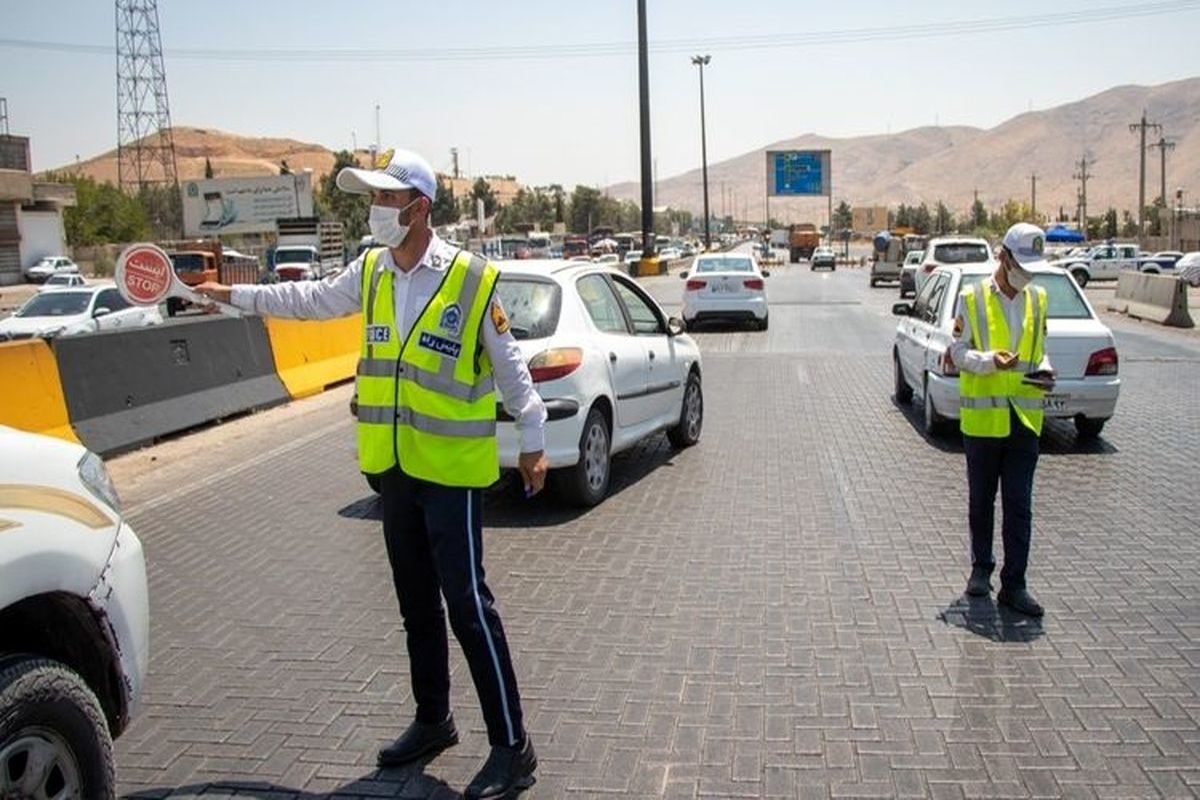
[985, 399]
[427, 402]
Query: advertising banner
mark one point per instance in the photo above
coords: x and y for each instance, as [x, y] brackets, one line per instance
[244, 205]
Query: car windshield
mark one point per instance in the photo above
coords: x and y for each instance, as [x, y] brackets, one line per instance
[724, 265]
[1062, 295]
[532, 305]
[55, 304]
[961, 253]
[293, 257]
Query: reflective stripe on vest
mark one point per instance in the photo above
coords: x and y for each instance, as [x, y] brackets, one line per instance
[427, 401]
[985, 399]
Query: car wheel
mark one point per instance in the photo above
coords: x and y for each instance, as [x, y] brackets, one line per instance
[691, 415]
[903, 392]
[1087, 428]
[932, 422]
[1080, 276]
[586, 483]
[54, 740]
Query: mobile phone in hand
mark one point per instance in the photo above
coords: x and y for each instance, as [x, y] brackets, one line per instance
[1040, 377]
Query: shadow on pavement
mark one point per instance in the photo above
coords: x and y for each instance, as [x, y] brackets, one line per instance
[982, 617]
[408, 782]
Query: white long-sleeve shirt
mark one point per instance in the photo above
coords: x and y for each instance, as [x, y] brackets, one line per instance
[341, 296]
[983, 362]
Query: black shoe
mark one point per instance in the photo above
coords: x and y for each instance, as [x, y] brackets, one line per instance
[1020, 600]
[421, 739]
[979, 584]
[507, 772]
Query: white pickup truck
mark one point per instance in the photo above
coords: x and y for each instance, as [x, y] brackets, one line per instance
[1105, 262]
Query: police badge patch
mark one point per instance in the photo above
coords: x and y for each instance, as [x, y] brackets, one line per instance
[451, 321]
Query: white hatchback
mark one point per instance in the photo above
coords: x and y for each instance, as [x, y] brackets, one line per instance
[725, 286]
[611, 367]
[1081, 349]
[954, 251]
[75, 310]
[74, 616]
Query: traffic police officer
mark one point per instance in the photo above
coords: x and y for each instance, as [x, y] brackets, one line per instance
[435, 346]
[999, 348]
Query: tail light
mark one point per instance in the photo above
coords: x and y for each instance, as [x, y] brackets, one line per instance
[949, 368]
[753, 283]
[1102, 362]
[693, 285]
[550, 365]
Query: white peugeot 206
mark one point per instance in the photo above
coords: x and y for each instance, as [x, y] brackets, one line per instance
[611, 367]
[1081, 349]
[74, 620]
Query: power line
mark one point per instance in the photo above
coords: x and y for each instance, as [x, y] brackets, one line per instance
[806, 39]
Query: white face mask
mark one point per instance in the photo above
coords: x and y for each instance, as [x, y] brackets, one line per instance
[1018, 278]
[385, 226]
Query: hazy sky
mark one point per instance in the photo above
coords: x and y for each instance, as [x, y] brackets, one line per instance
[548, 90]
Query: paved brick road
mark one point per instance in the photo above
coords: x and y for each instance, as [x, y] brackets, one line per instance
[774, 613]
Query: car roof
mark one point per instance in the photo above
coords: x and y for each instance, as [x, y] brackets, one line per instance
[557, 268]
[988, 267]
[957, 240]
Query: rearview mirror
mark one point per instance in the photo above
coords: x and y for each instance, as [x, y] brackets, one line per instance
[675, 326]
[902, 309]
[683, 275]
[766, 273]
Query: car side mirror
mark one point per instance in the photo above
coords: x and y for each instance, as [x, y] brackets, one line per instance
[683, 275]
[902, 309]
[766, 273]
[101, 311]
[675, 326]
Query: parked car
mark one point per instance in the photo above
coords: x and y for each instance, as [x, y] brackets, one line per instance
[953, 251]
[823, 257]
[85, 309]
[669, 253]
[1188, 268]
[1081, 349]
[50, 265]
[725, 286]
[1167, 256]
[74, 616]
[63, 279]
[908, 273]
[610, 365]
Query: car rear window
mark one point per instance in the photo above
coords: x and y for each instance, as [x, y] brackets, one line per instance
[963, 253]
[532, 305]
[1062, 294]
[724, 265]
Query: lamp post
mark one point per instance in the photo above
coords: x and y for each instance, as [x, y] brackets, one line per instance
[701, 61]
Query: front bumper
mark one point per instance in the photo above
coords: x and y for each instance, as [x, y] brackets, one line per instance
[121, 596]
[1094, 397]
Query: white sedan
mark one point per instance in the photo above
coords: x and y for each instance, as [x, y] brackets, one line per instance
[63, 280]
[73, 601]
[1081, 349]
[70, 311]
[725, 286]
[611, 367]
[50, 265]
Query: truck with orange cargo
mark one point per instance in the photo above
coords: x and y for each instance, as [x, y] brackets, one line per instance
[197, 261]
[802, 240]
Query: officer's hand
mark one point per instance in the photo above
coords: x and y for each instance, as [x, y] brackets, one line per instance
[215, 291]
[1005, 359]
[532, 467]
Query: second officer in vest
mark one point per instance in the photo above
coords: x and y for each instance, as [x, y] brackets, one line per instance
[435, 346]
[1000, 349]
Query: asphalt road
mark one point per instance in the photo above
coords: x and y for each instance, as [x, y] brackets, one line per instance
[776, 612]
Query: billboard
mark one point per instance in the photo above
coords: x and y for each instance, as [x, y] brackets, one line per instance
[244, 205]
[798, 173]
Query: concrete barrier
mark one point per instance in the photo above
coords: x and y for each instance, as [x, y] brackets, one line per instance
[126, 388]
[31, 395]
[310, 356]
[1157, 298]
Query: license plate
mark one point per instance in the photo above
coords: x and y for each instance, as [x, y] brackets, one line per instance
[725, 287]
[1055, 402]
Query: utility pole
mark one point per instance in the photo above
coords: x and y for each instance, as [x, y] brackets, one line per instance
[647, 162]
[1033, 195]
[1163, 144]
[454, 157]
[1141, 128]
[1082, 176]
[3, 116]
[145, 142]
[701, 62]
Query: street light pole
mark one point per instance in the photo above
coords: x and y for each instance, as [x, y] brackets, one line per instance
[647, 164]
[701, 61]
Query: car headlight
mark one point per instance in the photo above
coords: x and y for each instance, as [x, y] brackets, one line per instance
[95, 477]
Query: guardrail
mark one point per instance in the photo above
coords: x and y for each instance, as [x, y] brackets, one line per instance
[1157, 298]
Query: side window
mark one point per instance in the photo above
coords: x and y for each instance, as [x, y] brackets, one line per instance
[921, 304]
[936, 298]
[601, 304]
[112, 300]
[645, 318]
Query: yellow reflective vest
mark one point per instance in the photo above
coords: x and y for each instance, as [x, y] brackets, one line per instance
[428, 403]
[985, 399]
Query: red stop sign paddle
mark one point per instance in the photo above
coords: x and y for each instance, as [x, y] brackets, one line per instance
[146, 277]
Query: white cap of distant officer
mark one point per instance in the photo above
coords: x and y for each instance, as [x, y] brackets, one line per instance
[1026, 244]
[395, 170]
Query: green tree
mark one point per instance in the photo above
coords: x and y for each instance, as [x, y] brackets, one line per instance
[208, 170]
[349, 209]
[102, 214]
[843, 216]
[1111, 228]
[943, 219]
[530, 209]
[903, 216]
[445, 210]
[482, 190]
[163, 206]
[583, 210]
[921, 219]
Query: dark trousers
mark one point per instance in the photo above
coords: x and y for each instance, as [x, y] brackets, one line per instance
[434, 537]
[1008, 463]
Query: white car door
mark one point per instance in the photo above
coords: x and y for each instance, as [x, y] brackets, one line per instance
[937, 338]
[117, 316]
[627, 360]
[665, 384]
[1104, 263]
[914, 336]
